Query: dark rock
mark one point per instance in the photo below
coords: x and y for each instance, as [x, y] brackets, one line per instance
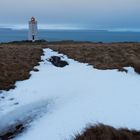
[16, 103]
[11, 99]
[2, 97]
[123, 70]
[35, 69]
[56, 61]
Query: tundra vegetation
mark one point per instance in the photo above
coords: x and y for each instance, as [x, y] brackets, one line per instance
[19, 58]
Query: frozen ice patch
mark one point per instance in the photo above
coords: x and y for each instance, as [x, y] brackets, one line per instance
[23, 115]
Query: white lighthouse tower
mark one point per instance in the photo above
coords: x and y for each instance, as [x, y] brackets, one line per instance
[32, 29]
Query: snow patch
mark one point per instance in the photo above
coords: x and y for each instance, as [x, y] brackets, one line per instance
[23, 115]
[79, 95]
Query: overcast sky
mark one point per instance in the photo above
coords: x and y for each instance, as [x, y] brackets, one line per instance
[83, 13]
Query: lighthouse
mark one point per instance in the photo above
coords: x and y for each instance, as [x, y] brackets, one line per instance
[32, 29]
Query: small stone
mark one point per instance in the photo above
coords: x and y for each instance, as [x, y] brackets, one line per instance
[122, 70]
[16, 103]
[2, 97]
[11, 99]
[35, 69]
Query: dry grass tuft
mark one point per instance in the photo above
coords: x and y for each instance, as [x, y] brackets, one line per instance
[16, 61]
[103, 55]
[105, 132]
[19, 58]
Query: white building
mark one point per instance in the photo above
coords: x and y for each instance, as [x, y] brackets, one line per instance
[32, 29]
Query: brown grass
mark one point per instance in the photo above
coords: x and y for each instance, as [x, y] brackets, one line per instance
[103, 56]
[105, 132]
[18, 58]
[16, 61]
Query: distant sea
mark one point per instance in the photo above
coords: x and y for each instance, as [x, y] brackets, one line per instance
[8, 35]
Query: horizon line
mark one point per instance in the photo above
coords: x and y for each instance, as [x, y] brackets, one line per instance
[66, 27]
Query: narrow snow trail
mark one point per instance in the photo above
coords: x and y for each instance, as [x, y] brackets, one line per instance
[74, 96]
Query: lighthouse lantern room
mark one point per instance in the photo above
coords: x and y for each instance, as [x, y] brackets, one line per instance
[32, 29]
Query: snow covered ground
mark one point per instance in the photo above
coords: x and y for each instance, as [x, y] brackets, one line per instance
[65, 100]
